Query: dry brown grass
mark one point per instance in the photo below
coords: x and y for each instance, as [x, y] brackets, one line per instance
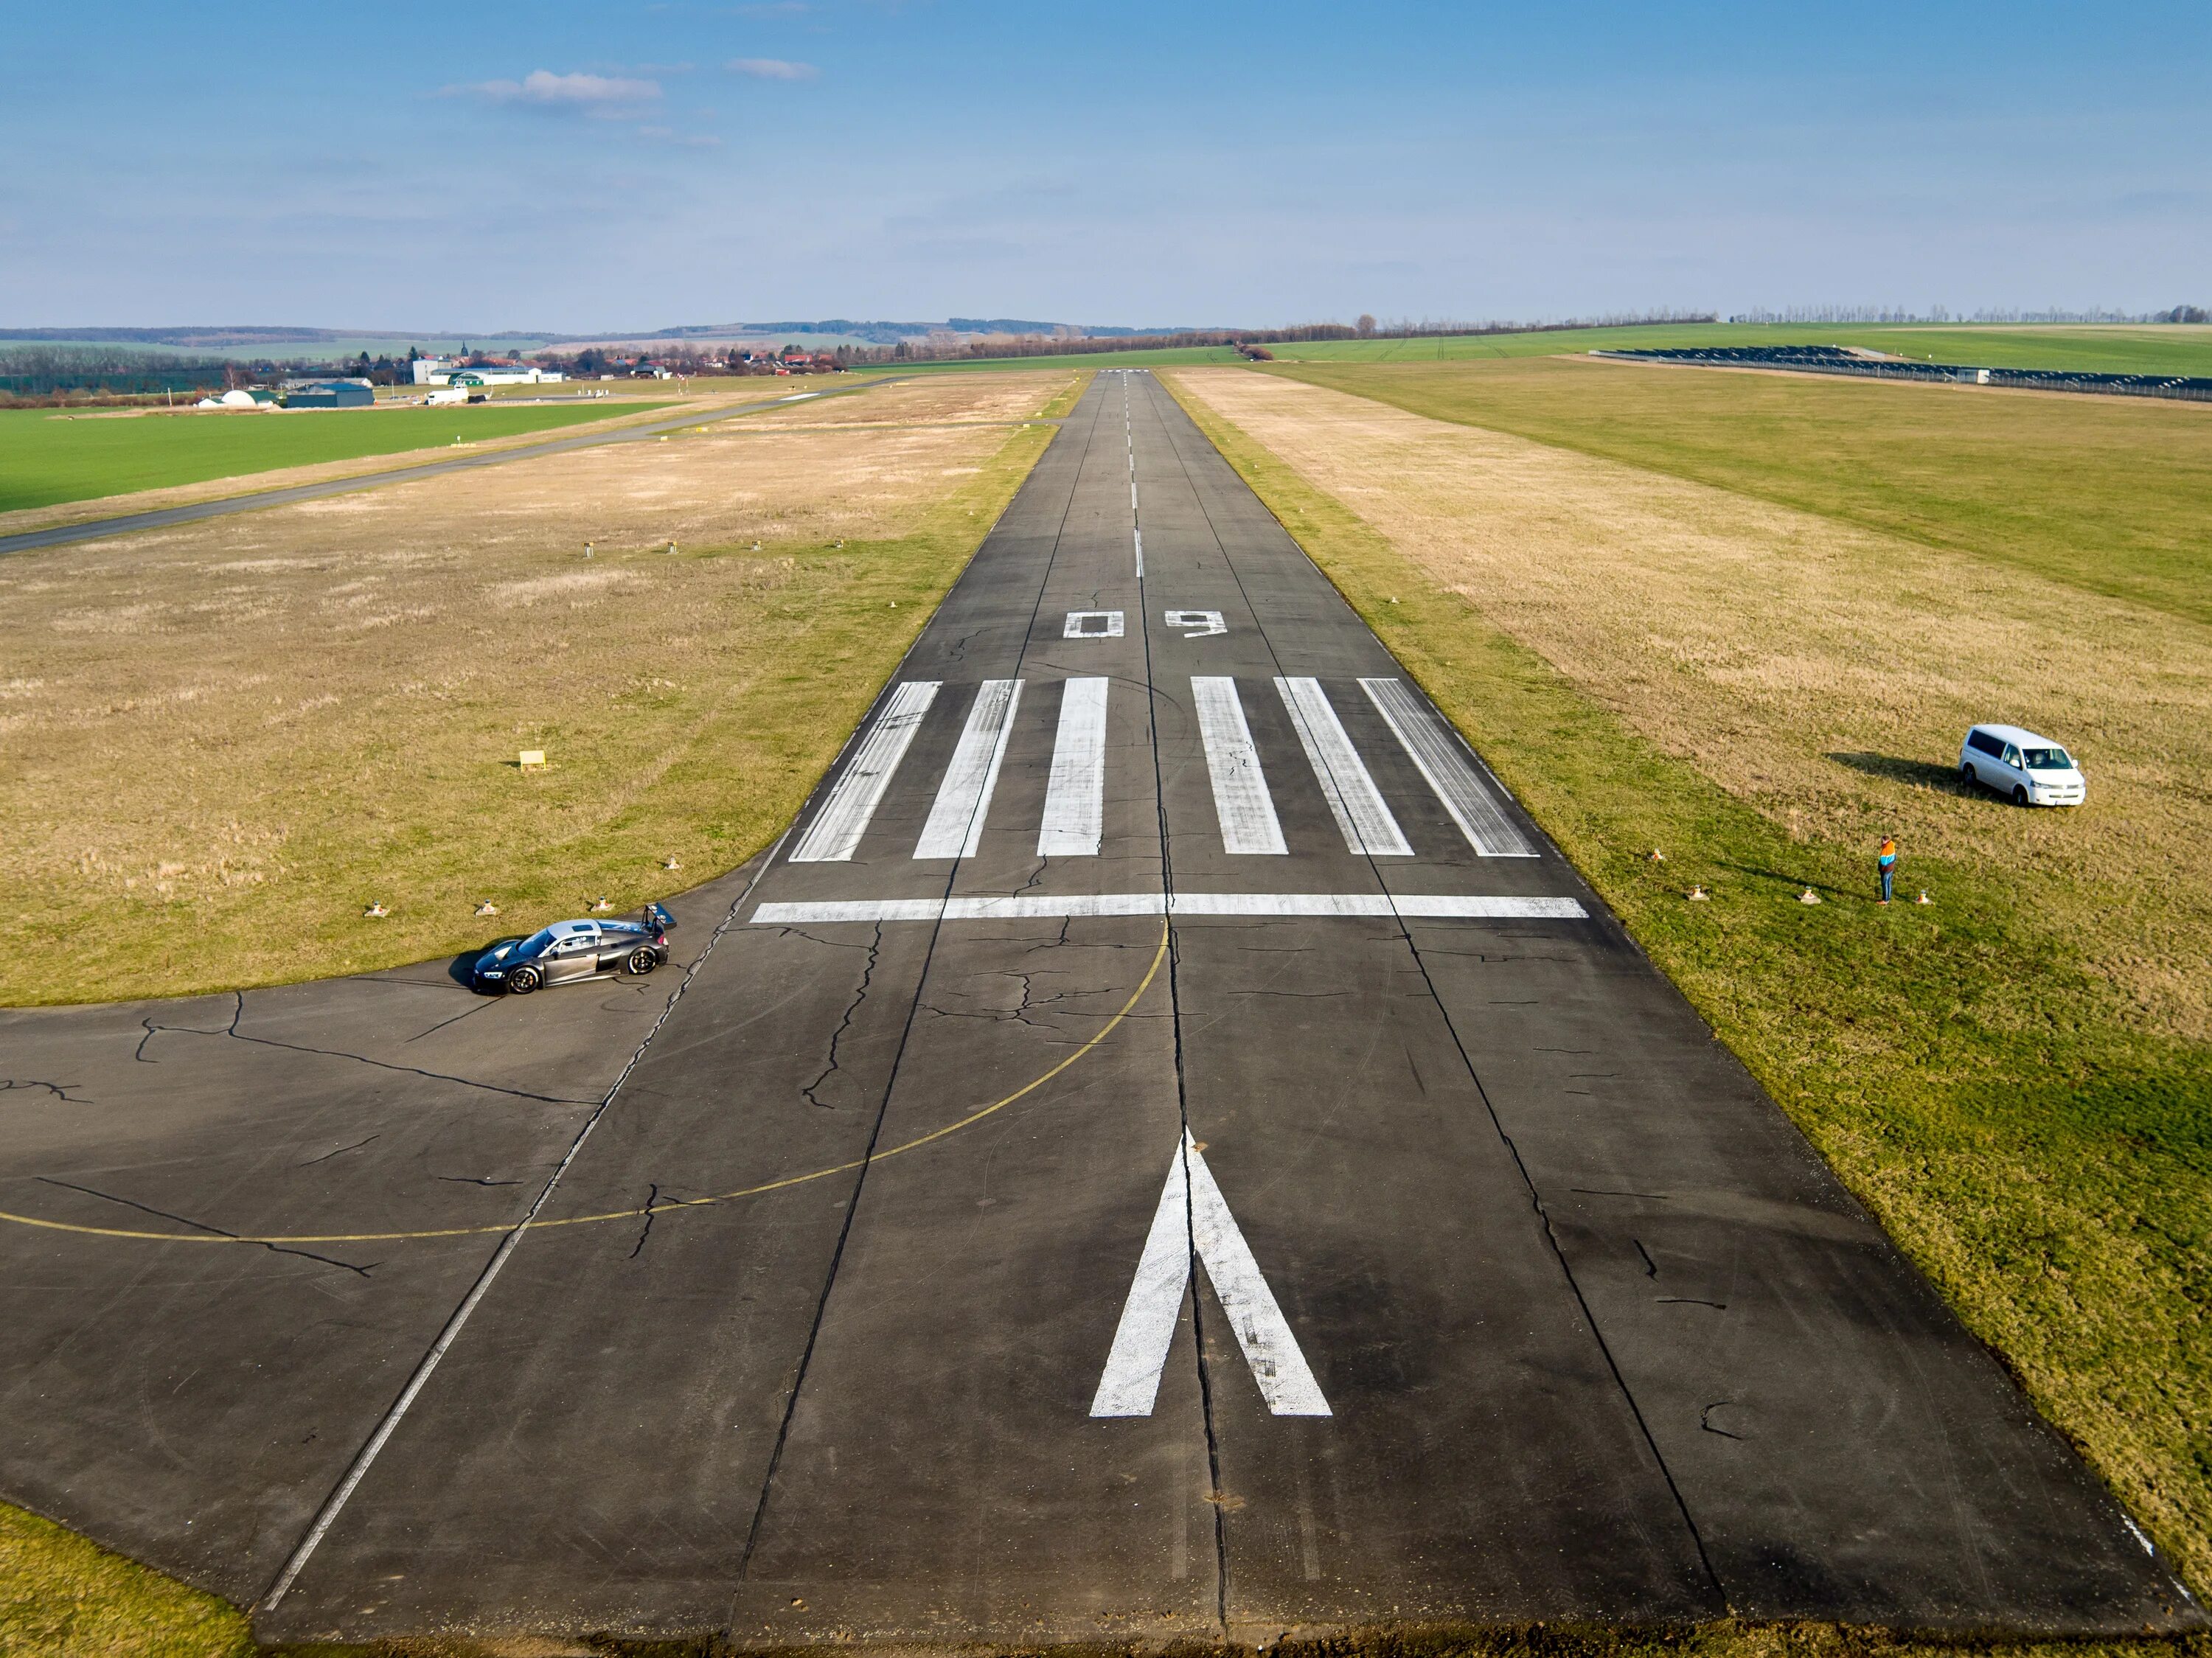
[1809, 666]
[986, 397]
[219, 742]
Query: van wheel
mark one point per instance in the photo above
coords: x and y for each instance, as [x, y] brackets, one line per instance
[1967, 776]
[2019, 795]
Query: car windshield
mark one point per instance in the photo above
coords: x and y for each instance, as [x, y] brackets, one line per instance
[2048, 760]
[536, 942]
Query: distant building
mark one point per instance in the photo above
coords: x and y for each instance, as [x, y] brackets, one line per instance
[239, 400]
[331, 394]
[445, 371]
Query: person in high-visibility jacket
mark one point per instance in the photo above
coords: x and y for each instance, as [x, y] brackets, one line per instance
[1886, 861]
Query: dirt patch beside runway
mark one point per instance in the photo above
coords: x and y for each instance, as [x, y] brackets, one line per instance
[223, 742]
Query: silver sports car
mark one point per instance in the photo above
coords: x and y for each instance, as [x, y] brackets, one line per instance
[570, 951]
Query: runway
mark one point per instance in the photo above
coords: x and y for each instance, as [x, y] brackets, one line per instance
[1164, 1148]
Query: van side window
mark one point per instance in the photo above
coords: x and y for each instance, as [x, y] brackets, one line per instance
[2012, 756]
[1983, 742]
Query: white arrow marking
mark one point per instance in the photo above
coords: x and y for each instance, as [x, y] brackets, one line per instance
[1193, 1220]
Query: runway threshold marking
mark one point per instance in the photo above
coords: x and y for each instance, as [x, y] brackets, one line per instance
[1443, 759]
[835, 832]
[954, 826]
[1075, 792]
[1045, 907]
[1353, 799]
[1193, 1223]
[665, 1206]
[1241, 801]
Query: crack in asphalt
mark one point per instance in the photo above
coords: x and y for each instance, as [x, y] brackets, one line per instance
[651, 1201]
[340, 1152]
[59, 1091]
[205, 1226]
[232, 1031]
[465, 1013]
[1705, 1419]
[837, 1036]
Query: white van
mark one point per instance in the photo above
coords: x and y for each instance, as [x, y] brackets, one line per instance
[2032, 770]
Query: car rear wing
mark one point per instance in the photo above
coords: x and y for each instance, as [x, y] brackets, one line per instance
[660, 918]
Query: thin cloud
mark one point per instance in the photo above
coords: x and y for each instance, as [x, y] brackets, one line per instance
[543, 90]
[771, 69]
[681, 140]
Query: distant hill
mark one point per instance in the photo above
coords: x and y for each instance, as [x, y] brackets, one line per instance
[258, 340]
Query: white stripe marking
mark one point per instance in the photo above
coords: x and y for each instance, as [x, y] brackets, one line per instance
[1240, 800]
[1041, 907]
[1141, 555]
[954, 826]
[834, 834]
[1075, 795]
[1133, 494]
[1080, 625]
[1192, 1220]
[1444, 761]
[1353, 799]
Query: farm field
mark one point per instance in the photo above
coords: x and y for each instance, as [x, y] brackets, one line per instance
[49, 459]
[1714, 656]
[335, 691]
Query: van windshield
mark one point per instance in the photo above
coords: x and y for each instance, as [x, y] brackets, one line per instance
[2048, 759]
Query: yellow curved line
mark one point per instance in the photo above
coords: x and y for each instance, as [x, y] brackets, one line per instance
[971, 1119]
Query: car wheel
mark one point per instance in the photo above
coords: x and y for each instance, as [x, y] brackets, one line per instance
[523, 981]
[2019, 795]
[1968, 777]
[641, 961]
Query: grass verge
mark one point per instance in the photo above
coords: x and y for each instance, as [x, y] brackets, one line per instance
[63, 1597]
[2041, 1157]
[50, 459]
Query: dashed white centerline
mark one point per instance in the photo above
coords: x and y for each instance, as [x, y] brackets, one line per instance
[954, 826]
[1075, 794]
[835, 832]
[1241, 800]
[1353, 799]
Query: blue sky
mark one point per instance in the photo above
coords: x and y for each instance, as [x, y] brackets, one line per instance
[486, 164]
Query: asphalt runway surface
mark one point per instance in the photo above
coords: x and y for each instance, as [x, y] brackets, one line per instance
[166, 517]
[1164, 1148]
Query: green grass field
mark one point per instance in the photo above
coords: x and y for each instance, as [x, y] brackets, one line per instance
[2125, 350]
[2107, 494]
[48, 460]
[2039, 1142]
